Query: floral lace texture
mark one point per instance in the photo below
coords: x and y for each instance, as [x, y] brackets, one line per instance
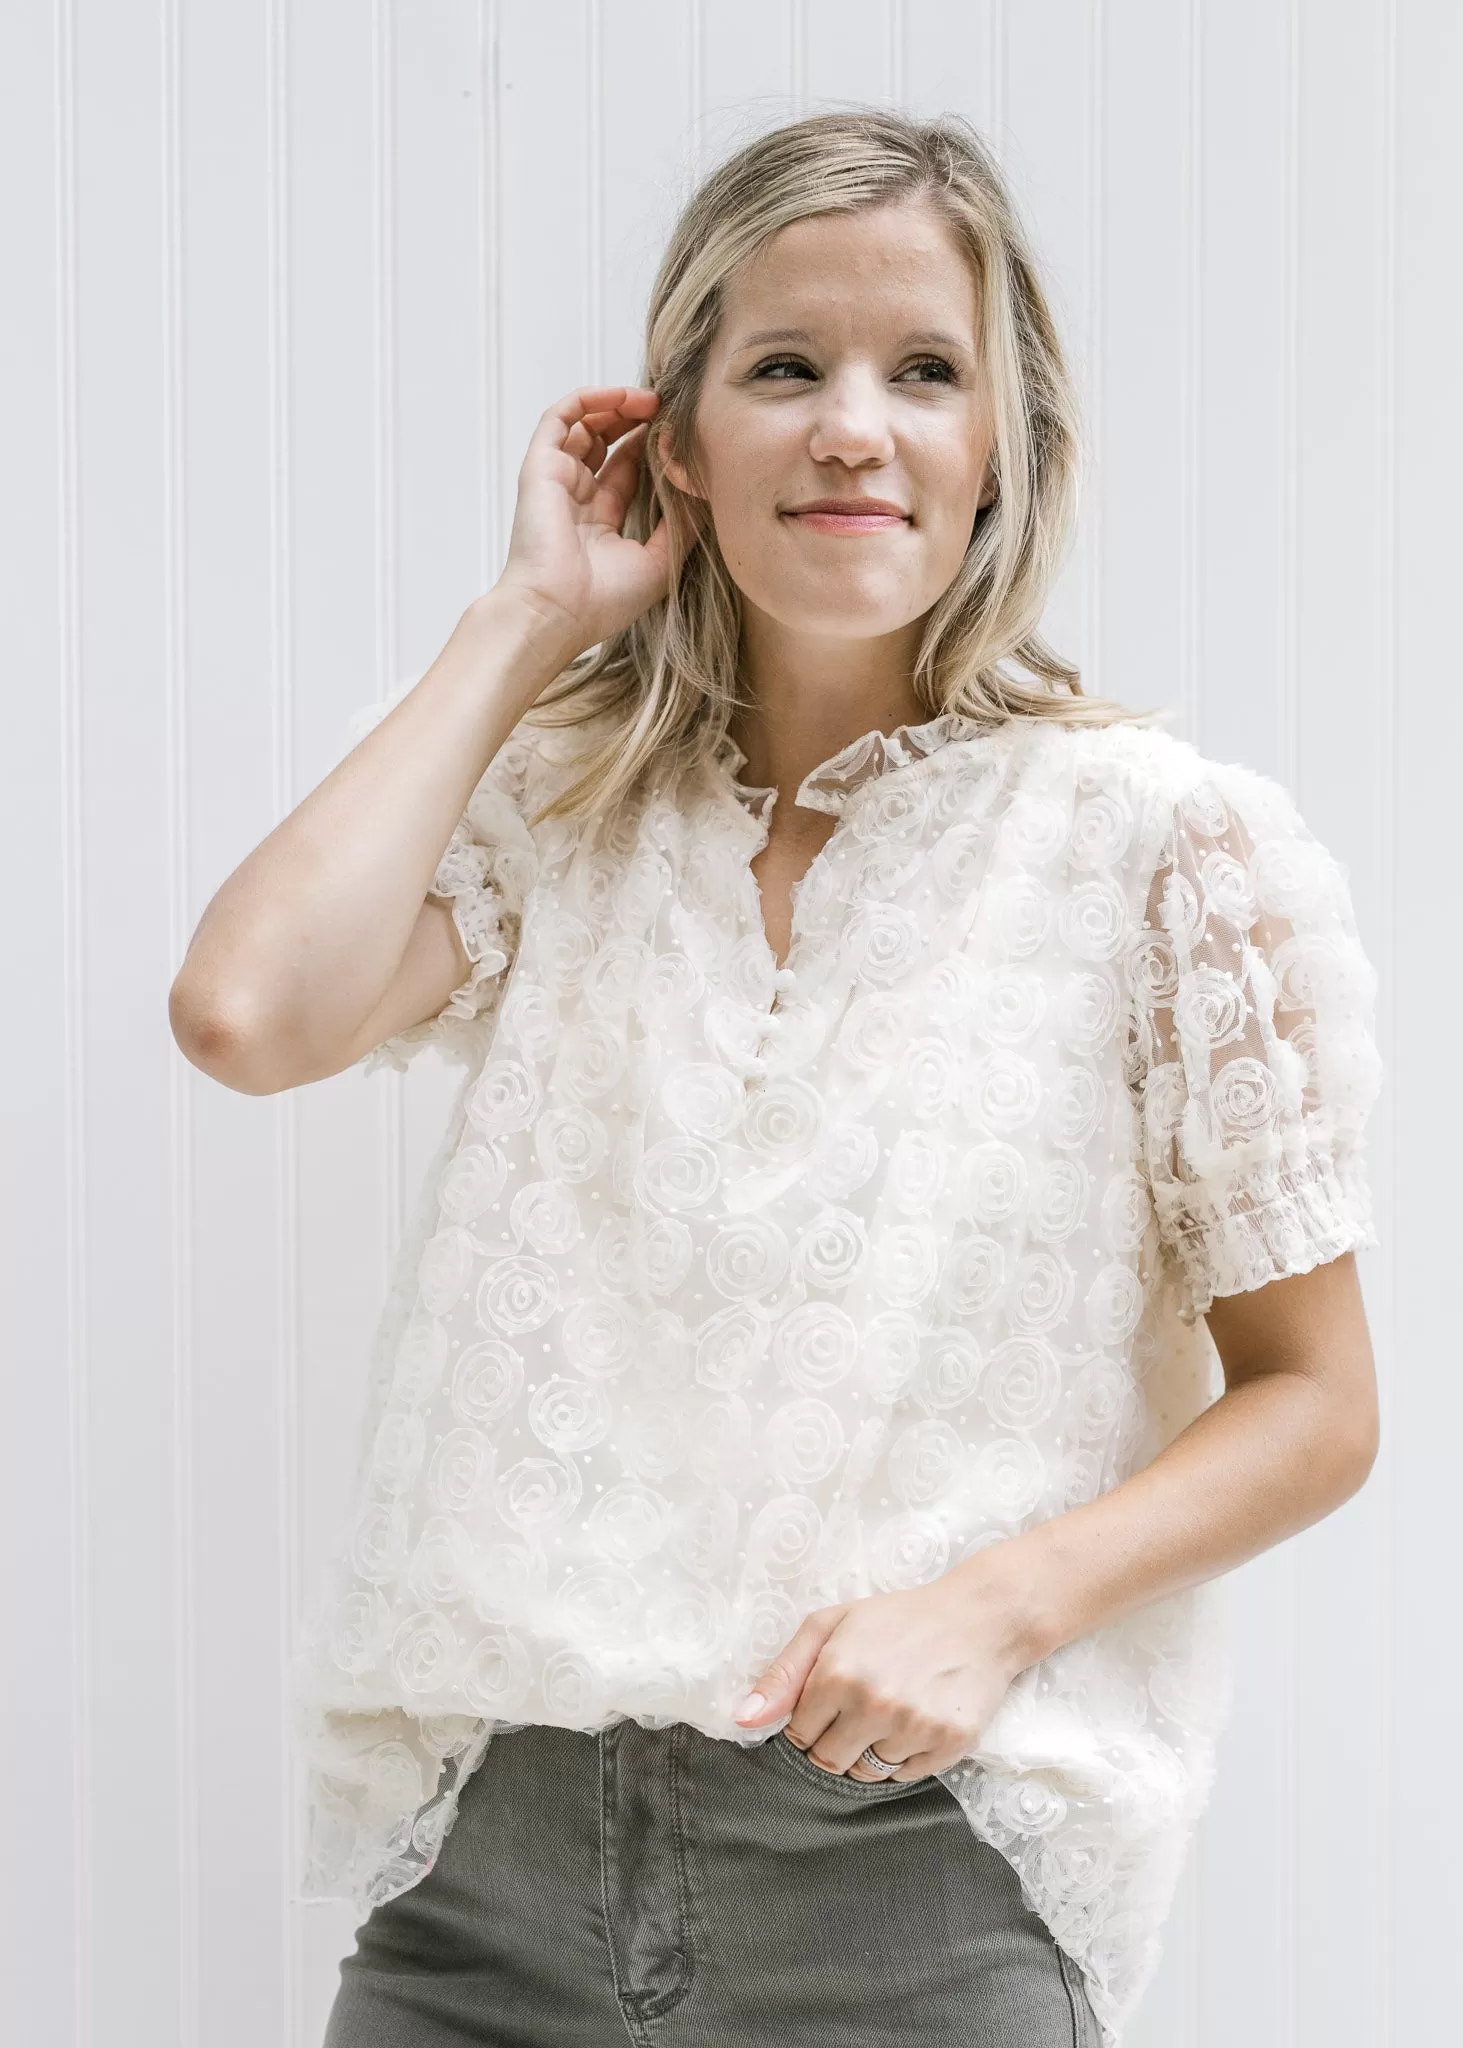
[736, 1289]
[1253, 1042]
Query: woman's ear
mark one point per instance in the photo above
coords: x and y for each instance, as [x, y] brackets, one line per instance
[989, 491]
[679, 476]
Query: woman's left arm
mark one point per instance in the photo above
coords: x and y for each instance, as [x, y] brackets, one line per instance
[919, 1674]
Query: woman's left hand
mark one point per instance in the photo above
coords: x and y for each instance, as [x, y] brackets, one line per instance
[917, 1674]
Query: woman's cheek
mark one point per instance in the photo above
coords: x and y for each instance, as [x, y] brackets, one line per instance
[751, 557]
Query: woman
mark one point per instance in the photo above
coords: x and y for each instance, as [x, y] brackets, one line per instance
[893, 1248]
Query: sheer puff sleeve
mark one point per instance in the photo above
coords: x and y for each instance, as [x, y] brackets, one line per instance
[1252, 1052]
[484, 875]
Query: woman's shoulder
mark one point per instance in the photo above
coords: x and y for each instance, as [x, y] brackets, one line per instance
[540, 758]
[535, 747]
[1144, 754]
[1156, 760]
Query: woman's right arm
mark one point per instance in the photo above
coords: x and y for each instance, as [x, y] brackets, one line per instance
[323, 942]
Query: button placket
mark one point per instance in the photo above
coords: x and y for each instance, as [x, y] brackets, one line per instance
[837, 788]
[782, 980]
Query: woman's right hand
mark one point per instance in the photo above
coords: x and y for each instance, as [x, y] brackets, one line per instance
[567, 557]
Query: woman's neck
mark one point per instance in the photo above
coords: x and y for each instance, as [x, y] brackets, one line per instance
[812, 694]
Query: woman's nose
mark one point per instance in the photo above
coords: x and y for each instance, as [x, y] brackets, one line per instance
[853, 421]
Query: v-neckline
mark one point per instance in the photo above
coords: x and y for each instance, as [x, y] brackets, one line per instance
[782, 967]
[836, 787]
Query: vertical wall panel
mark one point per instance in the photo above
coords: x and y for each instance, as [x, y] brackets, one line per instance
[438, 320]
[239, 1216]
[128, 1531]
[1049, 50]
[1425, 423]
[847, 50]
[44, 1932]
[1138, 494]
[745, 79]
[641, 174]
[1343, 712]
[957, 69]
[1245, 308]
[290, 286]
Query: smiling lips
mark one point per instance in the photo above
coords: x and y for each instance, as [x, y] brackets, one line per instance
[848, 515]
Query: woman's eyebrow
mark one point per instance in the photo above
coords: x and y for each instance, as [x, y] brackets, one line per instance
[767, 334]
[928, 337]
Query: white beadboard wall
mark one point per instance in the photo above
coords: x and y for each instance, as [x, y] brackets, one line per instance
[285, 284]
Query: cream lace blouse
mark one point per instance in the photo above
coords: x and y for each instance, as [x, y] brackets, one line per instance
[735, 1290]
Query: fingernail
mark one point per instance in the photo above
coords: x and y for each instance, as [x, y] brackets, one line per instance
[751, 1706]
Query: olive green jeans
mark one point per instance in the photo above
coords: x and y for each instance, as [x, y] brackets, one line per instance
[666, 1889]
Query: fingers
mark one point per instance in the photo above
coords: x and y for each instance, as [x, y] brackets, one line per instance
[588, 442]
[617, 479]
[887, 1748]
[590, 447]
[635, 401]
[603, 481]
[776, 1691]
[841, 1743]
[604, 411]
[585, 446]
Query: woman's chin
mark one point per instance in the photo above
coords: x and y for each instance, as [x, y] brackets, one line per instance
[842, 614]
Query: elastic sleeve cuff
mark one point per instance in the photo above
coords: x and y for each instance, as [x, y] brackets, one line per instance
[1280, 1218]
[466, 880]
[463, 880]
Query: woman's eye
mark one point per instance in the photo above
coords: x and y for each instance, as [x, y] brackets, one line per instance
[794, 364]
[943, 372]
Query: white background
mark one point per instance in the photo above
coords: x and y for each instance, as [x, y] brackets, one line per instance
[284, 285]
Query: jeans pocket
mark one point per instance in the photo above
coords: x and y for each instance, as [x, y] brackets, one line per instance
[840, 1784]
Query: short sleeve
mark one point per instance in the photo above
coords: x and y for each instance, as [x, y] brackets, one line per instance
[485, 873]
[1252, 1049]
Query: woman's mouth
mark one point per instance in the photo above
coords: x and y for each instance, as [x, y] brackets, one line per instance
[848, 515]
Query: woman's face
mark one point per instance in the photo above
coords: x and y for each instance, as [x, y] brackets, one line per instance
[846, 370]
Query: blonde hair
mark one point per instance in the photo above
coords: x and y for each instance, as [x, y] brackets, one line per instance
[667, 684]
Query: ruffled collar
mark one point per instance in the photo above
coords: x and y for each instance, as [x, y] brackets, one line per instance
[830, 785]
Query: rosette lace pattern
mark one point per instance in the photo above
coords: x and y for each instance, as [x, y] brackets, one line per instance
[737, 1289]
[1254, 1042]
